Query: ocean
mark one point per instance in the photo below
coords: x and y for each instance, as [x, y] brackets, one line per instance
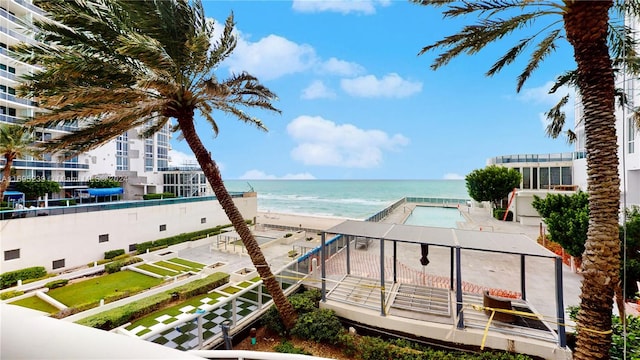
[354, 199]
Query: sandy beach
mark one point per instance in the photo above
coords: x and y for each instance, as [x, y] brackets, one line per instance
[298, 221]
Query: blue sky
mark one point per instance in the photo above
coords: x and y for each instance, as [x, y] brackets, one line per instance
[358, 102]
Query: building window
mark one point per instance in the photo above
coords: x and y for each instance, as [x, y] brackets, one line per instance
[163, 227]
[526, 178]
[148, 154]
[203, 220]
[103, 238]
[631, 136]
[12, 254]
[133, 247]
[566, 176]
[122, 152]
[57, 264]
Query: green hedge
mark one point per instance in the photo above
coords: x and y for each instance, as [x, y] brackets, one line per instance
[166, 195]
[113, 253]
[56, 283]
[115, 266]
[141, 248]
[11, 278]
[499, 214]
[111, 319]
[10, 294]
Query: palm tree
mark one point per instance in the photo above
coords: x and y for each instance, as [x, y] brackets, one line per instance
[120, 64]
[585, 24]
[16, 141]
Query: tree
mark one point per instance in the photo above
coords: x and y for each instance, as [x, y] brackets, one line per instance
[36, 188]
[119, 64]
[585, 24]
[15, 142]
[631, 266]
[567, 219]
[492, 183]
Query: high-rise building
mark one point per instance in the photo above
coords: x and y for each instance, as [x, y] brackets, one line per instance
[139, 163]
[628, 136]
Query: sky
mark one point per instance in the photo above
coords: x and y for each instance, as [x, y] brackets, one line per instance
[358, 102]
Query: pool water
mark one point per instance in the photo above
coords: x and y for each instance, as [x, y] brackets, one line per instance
[434, 216]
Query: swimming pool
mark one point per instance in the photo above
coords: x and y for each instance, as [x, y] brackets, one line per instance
[434, 216]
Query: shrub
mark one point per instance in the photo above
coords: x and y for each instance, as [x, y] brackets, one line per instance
[56, 283]
[287, 347]
[288, 235]
[165, 195]
[499, 214]
[141, 248]
[113, 253]
[115, 266]
[11, 278]
[10, 294]
[302, 303]
[320, 325]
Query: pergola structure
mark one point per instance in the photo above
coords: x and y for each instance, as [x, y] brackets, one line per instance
[454, 239]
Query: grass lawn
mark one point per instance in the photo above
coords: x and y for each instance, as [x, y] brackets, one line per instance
[191, 264]
[34, 302]
[157, 270]
[102, 287]
[230, 290]
[150, 319]
[172, 266]
[244, 284]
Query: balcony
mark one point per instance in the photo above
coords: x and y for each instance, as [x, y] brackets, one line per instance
[11, 119]
[15, 99]
[31, 7]
[38, 164]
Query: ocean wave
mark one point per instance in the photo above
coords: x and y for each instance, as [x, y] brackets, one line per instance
[301, 198]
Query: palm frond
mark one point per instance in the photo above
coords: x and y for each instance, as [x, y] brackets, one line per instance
[544, 48]
[569, 79]
[556, 117]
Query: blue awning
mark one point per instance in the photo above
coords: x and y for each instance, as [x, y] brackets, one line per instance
[105, 191]
[14, 194]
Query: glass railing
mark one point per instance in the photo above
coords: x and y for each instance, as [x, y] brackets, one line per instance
[11, 119]
[48, 164]
[8, 75]
[17, 35]
[31, 7]
[16, 99]
[535, 158]
[180, 168]
[116, 205]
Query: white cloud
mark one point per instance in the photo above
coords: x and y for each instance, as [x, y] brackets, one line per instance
[453, 176]
[271, 57]
[178, 158]
[391, 85]
[323, 142]
[261, 175]
[540, 96]
[340, 67]
[317, 90]
[366, 7]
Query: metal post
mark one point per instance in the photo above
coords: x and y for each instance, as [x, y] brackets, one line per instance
[200, 332]
[234, 311]
[523, 286]
[382, 305]
[451, 268]
[459, 290]
[348, 254]
[395, 262]
[260, 297]
[324, 275]
[225, 335]
[562, 337]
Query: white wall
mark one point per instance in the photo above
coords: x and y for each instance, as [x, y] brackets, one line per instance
[74, 237]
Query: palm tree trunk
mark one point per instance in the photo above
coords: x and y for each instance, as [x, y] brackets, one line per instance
[211, 171]
[586, 25]
[6, 176]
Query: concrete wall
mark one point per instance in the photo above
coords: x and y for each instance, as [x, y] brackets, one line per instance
[74, 237]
